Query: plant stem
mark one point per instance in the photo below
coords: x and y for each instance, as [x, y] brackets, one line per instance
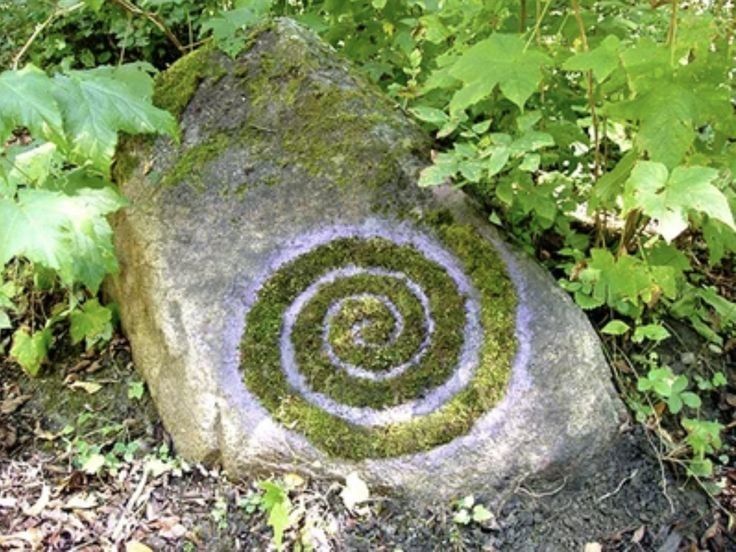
[672, 31]
[522, 17]
[155, 19]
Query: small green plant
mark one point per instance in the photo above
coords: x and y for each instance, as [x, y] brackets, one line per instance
[703, 437]
[670, 388]
[468, 511]
[276, 503]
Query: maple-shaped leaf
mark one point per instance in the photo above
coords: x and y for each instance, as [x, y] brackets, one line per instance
[67, 233]
[91, 322]
[503, 60]
[26, 101]
[98, 103]
[669, 198]
[669, 101]
[602, 60]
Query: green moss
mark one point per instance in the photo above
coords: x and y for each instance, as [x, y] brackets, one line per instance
[175, 87]
[446, 308]
[263, 374]
[191, 164]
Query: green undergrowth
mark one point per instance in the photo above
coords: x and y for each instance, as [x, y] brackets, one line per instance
[261, 356]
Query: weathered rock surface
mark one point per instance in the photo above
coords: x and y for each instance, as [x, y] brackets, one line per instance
[286, 155]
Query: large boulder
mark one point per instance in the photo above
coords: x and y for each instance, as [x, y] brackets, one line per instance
[295, 302]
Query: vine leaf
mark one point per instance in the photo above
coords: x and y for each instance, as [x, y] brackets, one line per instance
[669, 198]
[26, 101]
[499, 60]
[96, 104]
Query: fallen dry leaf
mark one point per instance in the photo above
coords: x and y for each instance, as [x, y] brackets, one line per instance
[89, 387]
[81, 502]
[40, 504]
[137, 546]
[8, 406]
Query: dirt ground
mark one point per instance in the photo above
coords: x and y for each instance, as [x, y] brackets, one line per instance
[86, 465]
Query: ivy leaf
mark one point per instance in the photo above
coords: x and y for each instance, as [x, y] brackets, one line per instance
[669, 198]
[502, 60]
[98, 103]
[92, 322]
[26, 101]
[67, 233]
[30, 350]
[602, 60]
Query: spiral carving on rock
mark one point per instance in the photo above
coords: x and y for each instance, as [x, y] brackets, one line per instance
[380, 339]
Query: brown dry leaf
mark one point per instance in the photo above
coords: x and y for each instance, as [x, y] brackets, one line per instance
[136, 546]
[8, 406]
[41, 433]
[40, 504]
[638, 535]
[89, 387]
[81, 501]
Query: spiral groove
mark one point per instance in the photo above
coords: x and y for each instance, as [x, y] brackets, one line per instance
[366, 333]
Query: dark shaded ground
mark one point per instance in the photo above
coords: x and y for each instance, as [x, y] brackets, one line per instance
[48, 500]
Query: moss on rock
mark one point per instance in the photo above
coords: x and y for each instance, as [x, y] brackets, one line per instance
[261, 353]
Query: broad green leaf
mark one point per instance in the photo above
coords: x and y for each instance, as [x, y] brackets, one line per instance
[67, 233]
[691, 399]
[30, 350]
[29, 165]
[91, 322]
[499, 60]
[602, 60]
[669, 198]
[26, 101]
[99, 103]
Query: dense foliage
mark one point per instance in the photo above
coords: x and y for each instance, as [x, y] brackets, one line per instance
[600, 135]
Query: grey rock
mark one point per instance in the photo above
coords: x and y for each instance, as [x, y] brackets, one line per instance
[287, 141]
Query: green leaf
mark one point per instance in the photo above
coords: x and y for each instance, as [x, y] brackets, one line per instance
[653, 332]
[691, 399]
[430, 115]
[99, 103]
[481, 514]
[30, 350]
[91, 322]
[502, 60]
[615, 327]
[276, 502]
[669, 199]
[4, 320]
[69, 234]
[26, 101]
[674, 404]
[226, 27]
[462, 517]
[136, 389]
[602, 60]
[26, 165]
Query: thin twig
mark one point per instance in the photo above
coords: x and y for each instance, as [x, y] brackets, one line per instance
[618, 488]
[40, 28]
[153, 18]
